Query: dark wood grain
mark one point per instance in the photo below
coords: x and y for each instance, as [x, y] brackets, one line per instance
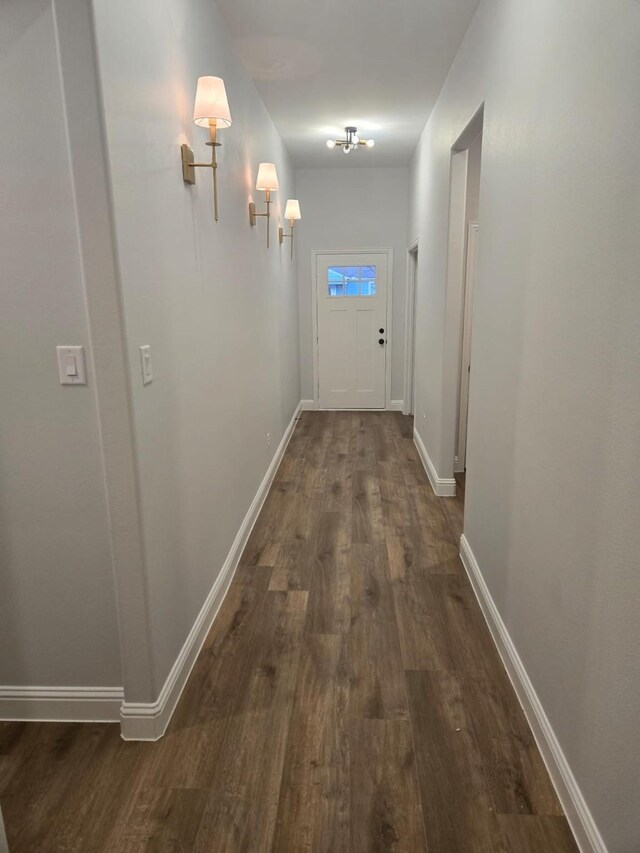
[516, 776]
[349, 697]
[294, 567]
[377, 682]
[187, 756]
[394, 498]
[421, 627]
[407, 458]
[368, 526]
[455, 796]
[529, 834]
[242, 804]
[471, 644]
[96, 800]
[314, 812]
[158, 819]
[386, 813]
[438, 544]
[339, 482]
[329, 592]
[364, 458]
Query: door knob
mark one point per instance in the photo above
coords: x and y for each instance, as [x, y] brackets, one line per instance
[381, 331]
[380, 340]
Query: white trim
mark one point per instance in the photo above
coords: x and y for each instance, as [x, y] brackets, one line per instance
[443, 487]
[314, 314]
[471, 246]
[580, 818]
[149, 720]
[307, 405]
[394, 406]
[454, 305]
[4, 844]
[65, 704]
[410, 327]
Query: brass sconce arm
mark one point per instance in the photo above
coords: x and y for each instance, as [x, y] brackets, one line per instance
[253, 215]
[282, 236]
[292, 213]
[188, 165]
[267, 182]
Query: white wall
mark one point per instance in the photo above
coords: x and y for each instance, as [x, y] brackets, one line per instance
[552, 503]
[355, 208]
[219, 311]
[57, 606]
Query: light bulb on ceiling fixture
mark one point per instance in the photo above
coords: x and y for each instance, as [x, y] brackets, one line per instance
[351, 142]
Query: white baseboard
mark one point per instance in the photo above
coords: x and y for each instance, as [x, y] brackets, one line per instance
[64, 704]
[580, 818]
[4, 844]
[148, 721]
[311, 406]
[444, 487]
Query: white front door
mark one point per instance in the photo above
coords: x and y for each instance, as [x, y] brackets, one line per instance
[352, 330]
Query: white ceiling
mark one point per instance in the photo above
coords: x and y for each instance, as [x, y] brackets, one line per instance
[322, 64]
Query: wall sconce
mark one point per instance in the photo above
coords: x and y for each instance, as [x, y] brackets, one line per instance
[291, 212]
[268, 183]
[211, 109]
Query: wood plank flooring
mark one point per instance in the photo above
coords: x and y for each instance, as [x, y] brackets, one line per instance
[348, 698]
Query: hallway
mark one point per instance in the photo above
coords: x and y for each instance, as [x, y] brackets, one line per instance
[348, 698]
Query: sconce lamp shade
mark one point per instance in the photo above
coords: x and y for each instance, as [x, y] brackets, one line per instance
[267, 177]
[292, 210]
[211, 103]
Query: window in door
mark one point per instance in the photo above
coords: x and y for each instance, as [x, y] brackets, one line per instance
[351, 281]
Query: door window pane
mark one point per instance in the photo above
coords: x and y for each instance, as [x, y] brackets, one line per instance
[351, 281]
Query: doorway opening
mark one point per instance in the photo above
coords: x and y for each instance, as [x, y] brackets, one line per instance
[464, 233]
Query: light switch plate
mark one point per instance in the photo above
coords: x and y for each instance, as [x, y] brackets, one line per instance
[145, 362]
[71, 366]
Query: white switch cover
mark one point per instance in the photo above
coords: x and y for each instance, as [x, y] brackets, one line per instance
[71, 367]
[145, 361]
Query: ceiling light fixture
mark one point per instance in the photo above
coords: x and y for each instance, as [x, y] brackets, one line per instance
[352, 141]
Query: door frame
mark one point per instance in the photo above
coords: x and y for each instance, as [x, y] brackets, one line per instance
[470, 258]
[314, 317]
[454, 295]
[409, 393]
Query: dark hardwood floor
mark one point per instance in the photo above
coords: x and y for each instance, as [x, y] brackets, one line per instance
[348, 698]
